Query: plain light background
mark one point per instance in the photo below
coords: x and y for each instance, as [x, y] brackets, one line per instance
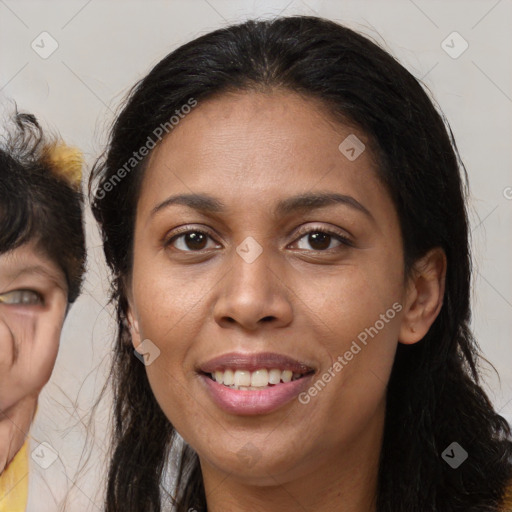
[104, 47]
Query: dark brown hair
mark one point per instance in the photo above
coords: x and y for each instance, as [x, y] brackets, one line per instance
[39, 203]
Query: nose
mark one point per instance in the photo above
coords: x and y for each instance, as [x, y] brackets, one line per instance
[253, 295]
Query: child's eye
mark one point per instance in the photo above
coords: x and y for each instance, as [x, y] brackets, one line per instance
[22, 297]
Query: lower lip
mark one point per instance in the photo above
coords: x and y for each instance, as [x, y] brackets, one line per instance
[248, 403]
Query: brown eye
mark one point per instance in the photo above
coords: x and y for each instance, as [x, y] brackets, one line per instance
[191, 241]
[22, 298]
[320, 240]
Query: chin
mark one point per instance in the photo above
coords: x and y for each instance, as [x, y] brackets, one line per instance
[253, 466]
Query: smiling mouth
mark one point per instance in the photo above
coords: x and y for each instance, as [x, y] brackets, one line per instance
[258, 380]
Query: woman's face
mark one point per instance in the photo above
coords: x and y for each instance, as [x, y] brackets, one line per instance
[293, 254]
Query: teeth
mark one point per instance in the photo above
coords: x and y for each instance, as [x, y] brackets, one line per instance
[259, 379]
[286, 376]
[229, 377]
[274, 376]
[242, 378]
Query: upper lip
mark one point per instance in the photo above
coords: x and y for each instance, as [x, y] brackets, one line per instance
[253, 362]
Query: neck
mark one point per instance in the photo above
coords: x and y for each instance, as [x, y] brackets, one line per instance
[343, 480]
[14, 426]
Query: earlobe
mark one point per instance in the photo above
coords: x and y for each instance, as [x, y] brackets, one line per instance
[131, 318]
[424, 296]
[133, 326]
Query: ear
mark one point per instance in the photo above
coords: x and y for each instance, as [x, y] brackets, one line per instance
[133, 323]
[424, 296]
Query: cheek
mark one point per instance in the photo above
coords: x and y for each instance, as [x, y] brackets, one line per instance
[351, 299]
[46, 342]
[163, 291]
[356, 317]
[166, 302]
[170, 314]
[47, 364]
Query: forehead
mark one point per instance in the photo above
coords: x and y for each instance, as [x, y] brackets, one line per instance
[262, 147]
[29, 260]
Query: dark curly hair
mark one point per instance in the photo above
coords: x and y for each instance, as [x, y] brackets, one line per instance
[38, 201]
[434, 395]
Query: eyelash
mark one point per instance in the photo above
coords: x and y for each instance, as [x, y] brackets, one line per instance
[344, 241]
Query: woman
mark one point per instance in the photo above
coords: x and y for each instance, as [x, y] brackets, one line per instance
[291, 264]
[42, 258]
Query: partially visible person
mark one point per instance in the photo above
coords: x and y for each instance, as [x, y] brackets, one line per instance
[42, 262]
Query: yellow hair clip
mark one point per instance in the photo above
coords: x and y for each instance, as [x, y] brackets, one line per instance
[66, 162]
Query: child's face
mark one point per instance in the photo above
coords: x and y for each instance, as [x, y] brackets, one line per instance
[33, 300]
[281, 291]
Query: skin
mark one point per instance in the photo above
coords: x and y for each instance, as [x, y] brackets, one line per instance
[251, 150]
[29, 339]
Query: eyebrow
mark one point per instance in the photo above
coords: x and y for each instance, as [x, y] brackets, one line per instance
[300, 203]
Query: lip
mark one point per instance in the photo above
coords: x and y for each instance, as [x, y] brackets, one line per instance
[241, 402]
[249, 403]
[253, 362]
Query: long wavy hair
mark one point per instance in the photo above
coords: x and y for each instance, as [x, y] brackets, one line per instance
[434, 394]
